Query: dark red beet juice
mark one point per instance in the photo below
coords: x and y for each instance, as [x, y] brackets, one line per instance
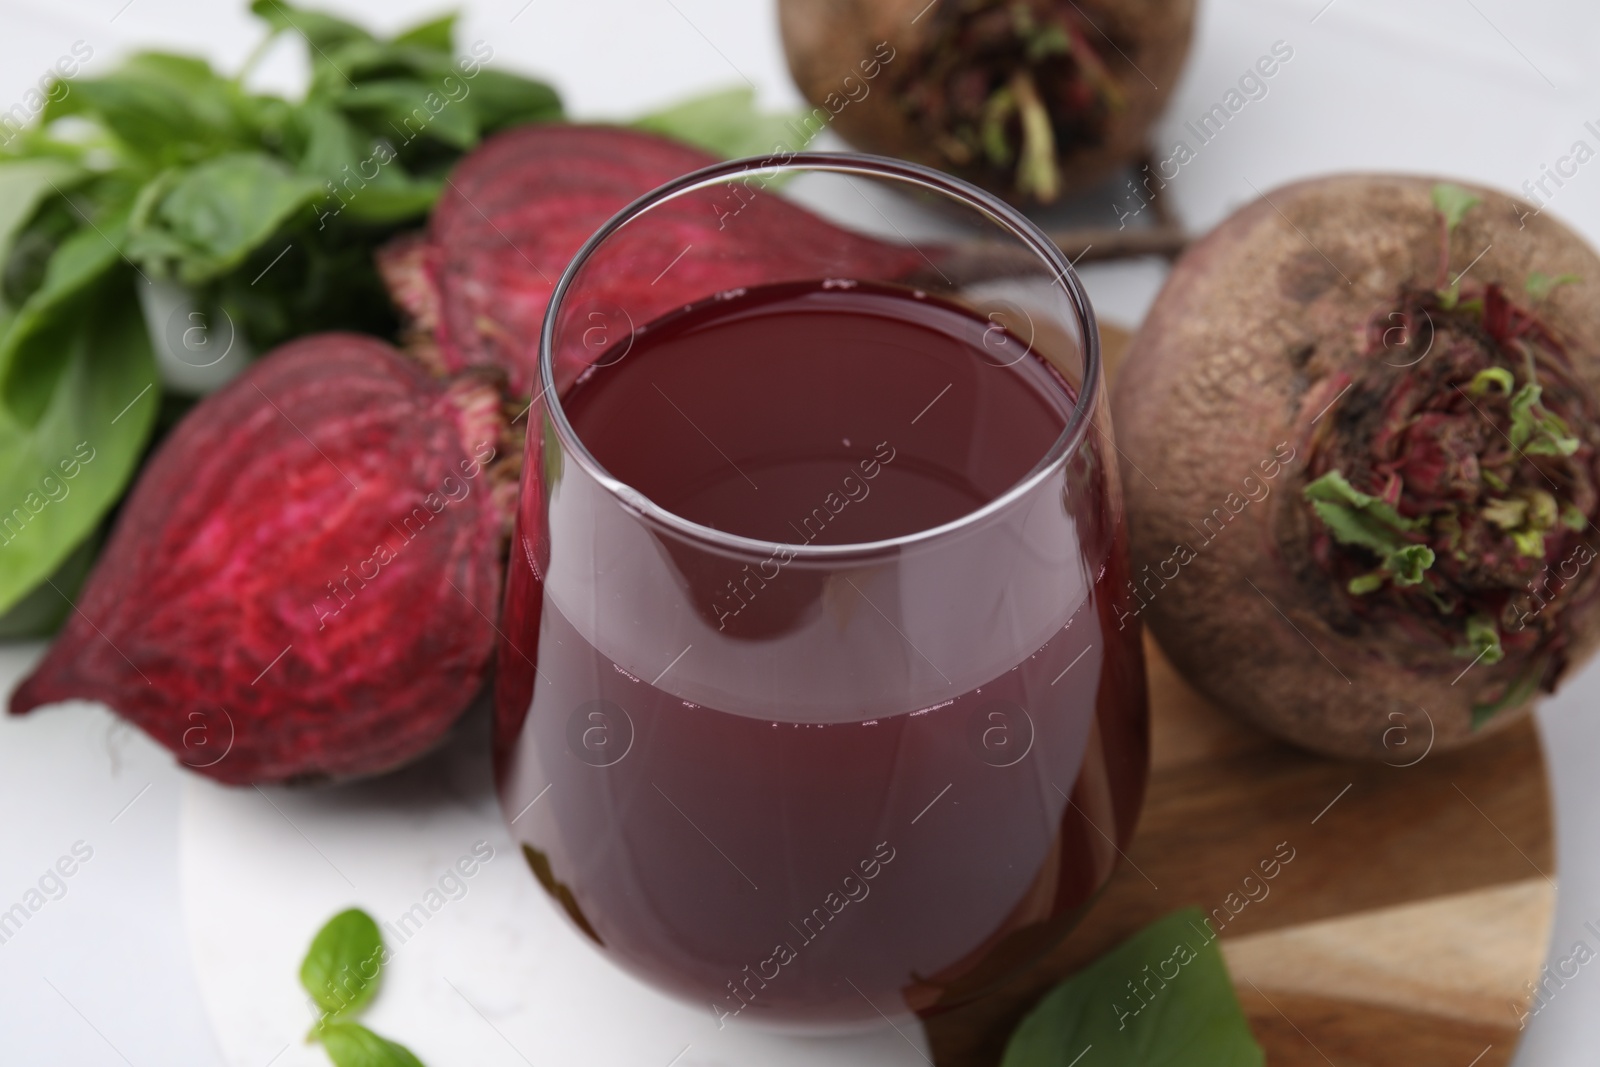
[801, 788]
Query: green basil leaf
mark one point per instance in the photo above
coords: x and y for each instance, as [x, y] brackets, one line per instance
[78, 397]
[217, 212]
[727, 123]
[321, 31]
[353, 1045]
[435, 34]
[24, 185]
[412, 108]
[1183, 1014]
[343, 965]
[163, 108]
[393, 197]
[500, 99]
[330, 141]
[368, 185]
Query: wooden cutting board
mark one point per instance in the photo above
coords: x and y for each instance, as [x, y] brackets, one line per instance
[1416, 908]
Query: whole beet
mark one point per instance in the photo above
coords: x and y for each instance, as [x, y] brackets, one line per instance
[300, 584]
[1031, 99]
[1360, 430]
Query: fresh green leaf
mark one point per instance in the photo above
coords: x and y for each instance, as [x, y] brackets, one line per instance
[1184, 1015]
[330, 141]
[342, 967]
[438, 34]
[1453, 202]
[217, 212]
[1540, 433]
[1541, 285]
[728, 123]
[499, 99]
[1492, 378]
[78, 384]
[1483, 641]
[1572, 518]
[353, 1045]
[24, 185]
[321, 31]
[162, 109]
[412, 108]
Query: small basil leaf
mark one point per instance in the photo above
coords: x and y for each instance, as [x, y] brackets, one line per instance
[353, 1045]
[727, 123]
[1183, 1014]
[499, 99]
[343, 965]
[217, 212]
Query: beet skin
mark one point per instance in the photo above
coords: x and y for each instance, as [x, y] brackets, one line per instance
[514, 212]
[302, 581]
[1362, 449]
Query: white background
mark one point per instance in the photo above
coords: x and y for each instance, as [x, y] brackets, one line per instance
[1482, 89]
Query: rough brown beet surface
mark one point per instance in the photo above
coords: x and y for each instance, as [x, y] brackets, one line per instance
[300, 584]
[1238, 365]
[517, 209]
[914, 105]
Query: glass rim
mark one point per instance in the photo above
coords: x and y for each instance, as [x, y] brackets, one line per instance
[1065, 277]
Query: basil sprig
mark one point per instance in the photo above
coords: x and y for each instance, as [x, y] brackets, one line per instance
[341, 971]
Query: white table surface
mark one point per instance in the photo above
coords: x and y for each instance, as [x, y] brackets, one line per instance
[1482, 89]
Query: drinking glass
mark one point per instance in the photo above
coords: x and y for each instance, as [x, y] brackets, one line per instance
[903, 772]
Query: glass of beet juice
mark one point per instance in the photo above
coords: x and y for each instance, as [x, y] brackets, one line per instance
[815, 705]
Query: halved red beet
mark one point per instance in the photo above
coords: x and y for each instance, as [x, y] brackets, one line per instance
[302, 581]
[516, 210]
